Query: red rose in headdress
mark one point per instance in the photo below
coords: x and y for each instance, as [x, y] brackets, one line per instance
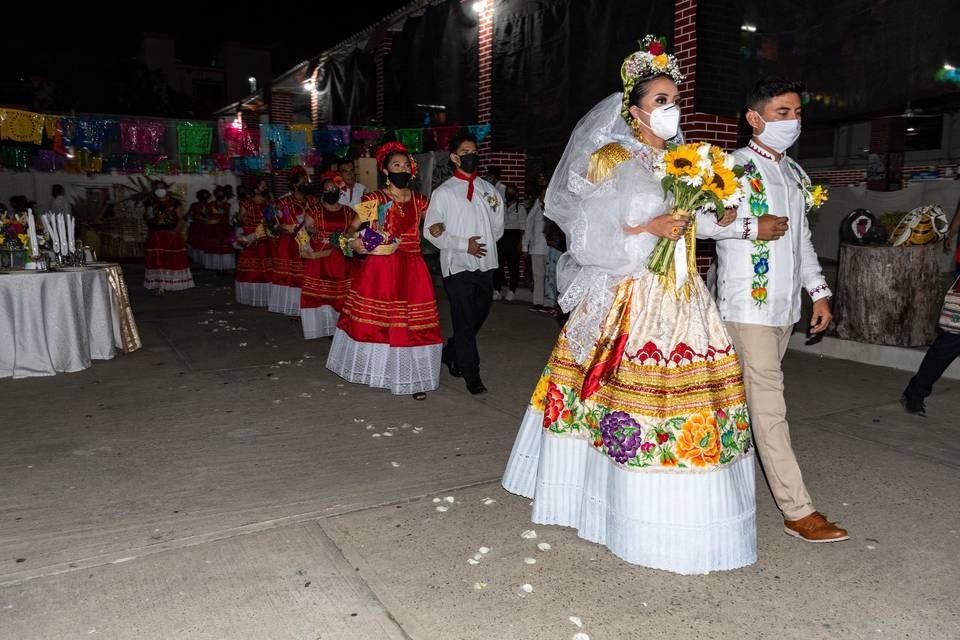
[655, 48]
[297, 171]
[391, 147]
[333, 175]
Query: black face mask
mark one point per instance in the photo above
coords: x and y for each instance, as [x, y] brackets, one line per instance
[400, 179]
[331, 197]
[468, 163]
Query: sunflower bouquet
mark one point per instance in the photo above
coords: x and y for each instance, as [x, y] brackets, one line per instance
[701, 178]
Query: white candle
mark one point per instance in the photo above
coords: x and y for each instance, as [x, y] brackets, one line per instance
[32, 231]
[51, 229]
[62, 233]
[71, 230]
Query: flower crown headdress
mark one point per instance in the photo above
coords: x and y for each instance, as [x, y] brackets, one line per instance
[651, 60]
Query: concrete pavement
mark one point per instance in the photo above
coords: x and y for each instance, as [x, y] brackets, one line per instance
[221, 483]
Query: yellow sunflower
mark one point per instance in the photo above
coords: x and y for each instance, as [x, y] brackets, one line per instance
[723, 184]
[819, 196]
[716, 155]
[682, 161]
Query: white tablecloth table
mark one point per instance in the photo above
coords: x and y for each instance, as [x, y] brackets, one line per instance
[57, 321]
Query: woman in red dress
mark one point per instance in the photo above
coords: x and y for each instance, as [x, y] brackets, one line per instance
[388, 335]
[195, 217]
[218, 251]
[252, 278]
[326, 272]
[166, 261]
[287, 280]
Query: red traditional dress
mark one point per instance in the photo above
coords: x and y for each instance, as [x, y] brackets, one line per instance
[388, 335]
[219, 254]
[167, 264]
[326, 281]
[287, 279]
[252, 277]
[195, 235]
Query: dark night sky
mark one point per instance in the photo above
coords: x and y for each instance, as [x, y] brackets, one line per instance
[90, 50]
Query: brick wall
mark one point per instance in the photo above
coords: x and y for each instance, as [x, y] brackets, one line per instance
[281, 112]
[847, 177]
[513, 164]
[379, 57]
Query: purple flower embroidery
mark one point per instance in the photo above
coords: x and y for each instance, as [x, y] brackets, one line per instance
[620, 447]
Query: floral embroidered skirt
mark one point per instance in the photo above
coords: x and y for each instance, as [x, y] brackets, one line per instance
[642, 443]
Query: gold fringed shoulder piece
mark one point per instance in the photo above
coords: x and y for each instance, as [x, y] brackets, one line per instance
[604, 160]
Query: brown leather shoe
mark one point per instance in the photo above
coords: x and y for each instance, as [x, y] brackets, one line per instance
[815, 528]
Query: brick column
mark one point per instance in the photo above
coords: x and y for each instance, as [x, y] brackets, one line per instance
[697, 126]
[513, 164]
[379, 56]
[281, 112]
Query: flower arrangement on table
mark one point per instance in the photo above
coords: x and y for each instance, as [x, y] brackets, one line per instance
[13, 232]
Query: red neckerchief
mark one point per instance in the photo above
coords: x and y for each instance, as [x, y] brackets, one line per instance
[460, 174]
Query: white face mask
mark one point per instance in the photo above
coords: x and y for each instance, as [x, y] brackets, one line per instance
[780, 134]
[664, 121]
[161, 193]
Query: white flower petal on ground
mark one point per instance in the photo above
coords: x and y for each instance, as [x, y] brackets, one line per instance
[388, 434]
[406, 425]
[472, 561]
[395, 464]
[358, 420]
[488, 501]
[544, 546]
[277, 401]
[305, 395]
[450, 499]
[529, 534]
[581, 636]
[479, 586]
[442, 509]
[478, 557]
[526, 588]
[437, 501]
[577, 621]
[370, 427]
[243, 344]
[375, 435]
[484, 550]
[530, 561]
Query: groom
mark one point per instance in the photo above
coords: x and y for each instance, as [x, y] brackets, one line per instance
[764, 258]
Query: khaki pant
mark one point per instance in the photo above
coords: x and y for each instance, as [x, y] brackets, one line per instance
[761, 349]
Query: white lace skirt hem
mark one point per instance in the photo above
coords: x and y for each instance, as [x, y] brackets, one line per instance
[285, 300]
[319, 322]
[685, 522]
[252, 293]
[402, 370]
[219, 261]
[168, 280]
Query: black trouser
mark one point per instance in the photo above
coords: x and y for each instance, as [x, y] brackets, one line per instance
[508, 252]
[941, 353]
[470, 294]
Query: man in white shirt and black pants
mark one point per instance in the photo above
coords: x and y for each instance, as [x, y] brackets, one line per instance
[465, 220]
[765, 257]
